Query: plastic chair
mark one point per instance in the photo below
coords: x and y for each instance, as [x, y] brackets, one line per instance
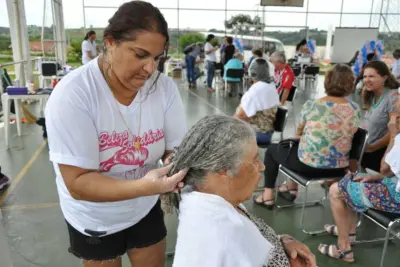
[279, 124]
[357, 150]
[234, 74]
[387, 221]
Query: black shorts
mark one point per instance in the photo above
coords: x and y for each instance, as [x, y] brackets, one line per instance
[148, 231]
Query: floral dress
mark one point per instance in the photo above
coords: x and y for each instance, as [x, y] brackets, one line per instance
[328, 133]
[379, 196]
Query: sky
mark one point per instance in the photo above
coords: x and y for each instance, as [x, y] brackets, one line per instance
[97, 17]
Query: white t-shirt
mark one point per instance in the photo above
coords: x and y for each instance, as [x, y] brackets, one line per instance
[88, 46]
[212, 233]
[393, 160]
[85, 129]
[259, 97]
[212, 56]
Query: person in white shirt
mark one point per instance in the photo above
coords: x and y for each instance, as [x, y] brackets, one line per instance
[215, 230]
[259, 104]
[109, 123]
[396, 64]
[211, 60]
[89, 47]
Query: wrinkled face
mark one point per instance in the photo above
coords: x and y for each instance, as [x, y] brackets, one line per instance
[248, 176]
[278, 64]
[133, 62]
[373, 81]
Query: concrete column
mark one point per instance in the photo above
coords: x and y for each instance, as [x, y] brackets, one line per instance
[59, 31]
[19, 39]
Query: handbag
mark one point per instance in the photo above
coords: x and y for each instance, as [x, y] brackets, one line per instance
[288, 143]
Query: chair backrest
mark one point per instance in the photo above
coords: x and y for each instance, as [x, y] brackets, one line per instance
[296, 70]
[280, 119]
[291, 94]
[311, 70]
[358, 145]
[234, 73]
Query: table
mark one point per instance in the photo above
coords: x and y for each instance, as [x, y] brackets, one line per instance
[6, 100]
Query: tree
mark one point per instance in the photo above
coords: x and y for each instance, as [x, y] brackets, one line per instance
[190, 38]
[243, 23]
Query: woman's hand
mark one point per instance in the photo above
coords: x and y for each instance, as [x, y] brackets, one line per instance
[162, 183]
[298, 253]
[393, 125]
[368, 178]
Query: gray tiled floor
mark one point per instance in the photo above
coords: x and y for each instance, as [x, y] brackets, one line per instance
[34, 224]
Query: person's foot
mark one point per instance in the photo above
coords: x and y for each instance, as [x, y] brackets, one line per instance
[4, 182]
[194, 86]
[210, 90]
[333, 230]
[287, 192]
[190, 86]
[334, 252]
[259, 200]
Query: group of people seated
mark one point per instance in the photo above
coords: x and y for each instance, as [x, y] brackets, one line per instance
[224, 169]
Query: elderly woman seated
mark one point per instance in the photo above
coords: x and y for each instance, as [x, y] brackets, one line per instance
[234, 63]
[323, 141]
[365, 191]
[259, 104]
[215, 230]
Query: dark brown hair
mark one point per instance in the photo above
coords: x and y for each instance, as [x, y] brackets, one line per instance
[229, 40]
[339, 81]
[257, 52]
[134, 17]
[383, 70]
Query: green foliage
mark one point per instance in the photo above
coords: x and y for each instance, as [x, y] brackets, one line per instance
[244, 24]
[190, 38]
[75, 52]
[5, 42]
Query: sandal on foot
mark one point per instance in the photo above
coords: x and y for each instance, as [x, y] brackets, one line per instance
[263, 202]
[327, 250]
[287, 194]
[332, 230]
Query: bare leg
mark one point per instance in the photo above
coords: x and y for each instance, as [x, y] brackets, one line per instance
[153, 256]
[340, 214]
[108, 263]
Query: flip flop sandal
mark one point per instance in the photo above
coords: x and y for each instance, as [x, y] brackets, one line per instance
[333, 231]
[327, 250]
[287, 195]
[263, 202]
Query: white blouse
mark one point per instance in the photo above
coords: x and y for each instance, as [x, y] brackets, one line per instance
[393, 160]
[213, 233]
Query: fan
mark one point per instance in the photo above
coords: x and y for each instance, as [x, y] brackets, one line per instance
[292, 3]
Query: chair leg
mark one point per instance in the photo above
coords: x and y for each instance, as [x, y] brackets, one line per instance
[170, 254]
[302, 217]
[386, 243]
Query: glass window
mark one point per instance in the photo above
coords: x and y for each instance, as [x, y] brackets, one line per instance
[114, 3]
[355, 20]
[243, 5]
[325, 6]
[358, 6]
[290, 9]
[98, 17]
[203, 4]
[171, 16]
[202, 21]
[322, 21]
[285, 19]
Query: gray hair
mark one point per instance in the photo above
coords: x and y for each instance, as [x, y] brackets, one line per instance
[214, 143]
[279, 56]
[259, 70]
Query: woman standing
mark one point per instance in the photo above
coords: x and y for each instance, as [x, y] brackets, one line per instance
[211, 60]
[380, 101]
[89, 48]
[109, 123]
